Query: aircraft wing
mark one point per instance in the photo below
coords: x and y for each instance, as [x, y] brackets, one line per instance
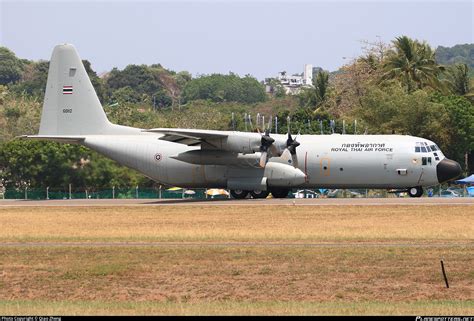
[190, 137]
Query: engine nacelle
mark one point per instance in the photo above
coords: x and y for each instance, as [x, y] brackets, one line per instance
[273, 175]
[282, 175]
[243, 142]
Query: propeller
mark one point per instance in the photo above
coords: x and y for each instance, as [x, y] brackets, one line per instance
[289, 154]
[265, 143]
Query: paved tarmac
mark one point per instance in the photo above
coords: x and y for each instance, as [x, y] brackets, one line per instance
[434, 201]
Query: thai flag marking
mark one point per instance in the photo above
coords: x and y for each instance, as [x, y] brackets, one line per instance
[67, 90]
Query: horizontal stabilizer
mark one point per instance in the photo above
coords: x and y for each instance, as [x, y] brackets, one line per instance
[55, 138]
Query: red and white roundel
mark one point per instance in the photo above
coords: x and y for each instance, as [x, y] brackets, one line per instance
[158, 157]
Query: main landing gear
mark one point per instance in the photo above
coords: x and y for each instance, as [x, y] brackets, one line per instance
[239, 194]
[259, 194]
[416, 191]
[276, 193]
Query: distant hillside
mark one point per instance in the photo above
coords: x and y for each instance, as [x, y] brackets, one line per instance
[457, 54]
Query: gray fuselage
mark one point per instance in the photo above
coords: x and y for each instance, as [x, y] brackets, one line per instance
[329, 161]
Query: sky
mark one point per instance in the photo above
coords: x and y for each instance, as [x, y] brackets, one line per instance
[259, 37]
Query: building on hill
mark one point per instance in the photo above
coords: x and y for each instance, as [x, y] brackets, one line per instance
[292, 84]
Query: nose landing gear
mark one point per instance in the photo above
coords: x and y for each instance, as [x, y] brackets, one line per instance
[416, 191]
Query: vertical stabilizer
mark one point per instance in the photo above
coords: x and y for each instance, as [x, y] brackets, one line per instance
[71, 105]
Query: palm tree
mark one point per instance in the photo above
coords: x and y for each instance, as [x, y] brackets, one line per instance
[458, 79]
[321, 84]
[315, 96]
[413, 63]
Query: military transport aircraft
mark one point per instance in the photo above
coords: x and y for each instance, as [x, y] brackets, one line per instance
[252, 163]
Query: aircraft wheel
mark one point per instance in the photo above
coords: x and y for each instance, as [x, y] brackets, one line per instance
[280, 192]
[239, 194]
[415, 191]
[259, 194]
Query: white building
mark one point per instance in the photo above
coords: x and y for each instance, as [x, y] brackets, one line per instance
[293, 84]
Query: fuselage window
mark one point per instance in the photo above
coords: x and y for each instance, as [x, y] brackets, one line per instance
[424, 161]
[429, 160]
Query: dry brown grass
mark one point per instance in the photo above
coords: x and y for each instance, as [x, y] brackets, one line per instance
[200, 279]
[239, 223]
[235, 308]
[253, 274]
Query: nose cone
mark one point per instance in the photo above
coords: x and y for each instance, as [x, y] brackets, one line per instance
[447, 170]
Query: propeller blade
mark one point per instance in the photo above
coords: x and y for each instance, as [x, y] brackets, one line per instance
[274, 150]
[263, 159]
[290, 151]
[286, 156]
[292, 147]
[294, 158]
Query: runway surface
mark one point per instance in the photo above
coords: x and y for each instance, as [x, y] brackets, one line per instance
[435, 201]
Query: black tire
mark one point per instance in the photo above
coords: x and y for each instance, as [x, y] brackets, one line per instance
[259, 194]
[239, 194]
[416, 191]
[280, 192]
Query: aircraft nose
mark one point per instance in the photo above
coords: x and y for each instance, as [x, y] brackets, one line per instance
[447, 170]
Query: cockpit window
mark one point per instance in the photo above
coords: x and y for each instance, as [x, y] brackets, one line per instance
[423, 147]
[418, 147]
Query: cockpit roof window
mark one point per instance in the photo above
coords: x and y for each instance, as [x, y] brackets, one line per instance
[423, 147]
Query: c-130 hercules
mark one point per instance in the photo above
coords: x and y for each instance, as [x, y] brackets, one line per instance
[244, 162]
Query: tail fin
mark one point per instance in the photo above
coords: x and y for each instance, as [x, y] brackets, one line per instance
[71, 105]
